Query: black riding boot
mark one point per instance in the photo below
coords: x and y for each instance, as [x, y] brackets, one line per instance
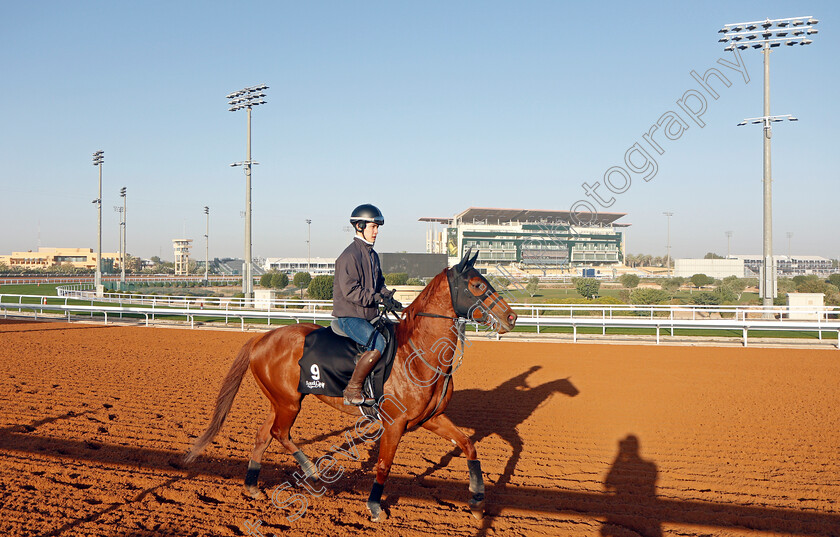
[353, 393]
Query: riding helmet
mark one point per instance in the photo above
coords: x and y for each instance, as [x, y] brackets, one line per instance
[364, 214]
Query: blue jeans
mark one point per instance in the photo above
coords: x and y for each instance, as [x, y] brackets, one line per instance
[360, 331]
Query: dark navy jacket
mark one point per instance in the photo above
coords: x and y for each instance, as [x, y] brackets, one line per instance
[358, 277]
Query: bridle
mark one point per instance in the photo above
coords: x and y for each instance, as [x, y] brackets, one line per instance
[472, 300]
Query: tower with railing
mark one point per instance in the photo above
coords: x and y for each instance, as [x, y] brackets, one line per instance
[182, 256]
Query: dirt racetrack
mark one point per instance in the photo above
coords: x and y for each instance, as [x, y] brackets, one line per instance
[575, 440]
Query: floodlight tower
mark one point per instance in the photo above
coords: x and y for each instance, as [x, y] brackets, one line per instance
[765, 35]
[119, 209]
[668, 258]
[247, 98]
[207, 245]
[789, 236]
[309, 245]
[123, 254]
[728, 244]
[98, 159]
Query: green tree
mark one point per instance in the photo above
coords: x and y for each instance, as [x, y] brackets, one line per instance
[501, 282]
[832, 296]
[279, 280]
[587, 287]
[301, 280]
[671, 285]
[784, 286]
[532, 285]
[396, 278]
[699, 280]
[726, 294]
[414, 281]
[321, 288]
[834, 279]
[65, 268]
[706, 298]
[629, 280]
[812, 284]
[712, 255]
[646, 295]
[734, 284]
[265, 279]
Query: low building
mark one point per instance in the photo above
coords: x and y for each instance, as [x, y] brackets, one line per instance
[229, 266]
[715, 268]
[805, 306]
[292, 265]
[789, 266]
[415, 265]
[48, 258]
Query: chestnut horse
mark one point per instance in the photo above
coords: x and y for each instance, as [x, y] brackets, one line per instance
[416, 393]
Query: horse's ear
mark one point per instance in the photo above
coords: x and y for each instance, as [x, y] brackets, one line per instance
[471, 262]
[463, 264]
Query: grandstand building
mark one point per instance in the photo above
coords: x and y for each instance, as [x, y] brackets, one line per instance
[529, 239]
[292, 265]
[48, 258]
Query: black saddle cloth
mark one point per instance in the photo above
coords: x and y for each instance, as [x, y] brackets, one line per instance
[329, 359]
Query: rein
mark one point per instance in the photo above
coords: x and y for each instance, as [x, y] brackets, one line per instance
[424, 314]
[447, 377]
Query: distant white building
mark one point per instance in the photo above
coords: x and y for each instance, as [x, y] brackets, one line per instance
[292, 265]
[715, 268]
[794, 265]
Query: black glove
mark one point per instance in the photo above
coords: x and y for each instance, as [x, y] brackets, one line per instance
[391, 304]
[387, 292]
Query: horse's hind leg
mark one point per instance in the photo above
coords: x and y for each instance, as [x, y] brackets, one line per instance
[278, 425]
[261, 443]
[284, 418]
[442, 426]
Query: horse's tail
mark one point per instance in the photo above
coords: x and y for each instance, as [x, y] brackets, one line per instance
[223, 402]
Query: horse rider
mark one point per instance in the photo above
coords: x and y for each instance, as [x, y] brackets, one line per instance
[358, 288]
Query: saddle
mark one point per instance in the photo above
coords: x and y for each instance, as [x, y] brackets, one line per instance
[329, 358]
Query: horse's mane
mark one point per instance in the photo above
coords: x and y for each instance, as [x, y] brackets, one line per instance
[409, 319]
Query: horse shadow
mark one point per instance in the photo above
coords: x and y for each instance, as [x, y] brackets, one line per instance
[509, 404]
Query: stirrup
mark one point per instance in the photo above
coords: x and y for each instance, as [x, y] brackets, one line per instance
[365, 401]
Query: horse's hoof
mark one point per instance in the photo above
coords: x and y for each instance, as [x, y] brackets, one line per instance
[376, 513]
[477, 509]
[311, 471]
[254, 493]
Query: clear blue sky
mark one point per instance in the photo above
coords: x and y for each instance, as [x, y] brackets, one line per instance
[422, 108]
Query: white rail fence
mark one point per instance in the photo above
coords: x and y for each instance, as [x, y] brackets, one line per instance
[541, 316]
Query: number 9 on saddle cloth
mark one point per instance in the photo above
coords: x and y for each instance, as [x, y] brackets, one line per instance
[329, 358]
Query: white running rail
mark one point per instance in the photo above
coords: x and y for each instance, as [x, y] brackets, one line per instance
[659, 318]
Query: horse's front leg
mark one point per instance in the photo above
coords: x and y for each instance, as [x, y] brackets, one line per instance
[390, 439]
[442, 426]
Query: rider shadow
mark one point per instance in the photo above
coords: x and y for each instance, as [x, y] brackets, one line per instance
[511, 403]
[632, 480]
[67, 527]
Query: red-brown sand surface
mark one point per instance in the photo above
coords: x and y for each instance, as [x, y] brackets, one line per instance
[574, 440]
